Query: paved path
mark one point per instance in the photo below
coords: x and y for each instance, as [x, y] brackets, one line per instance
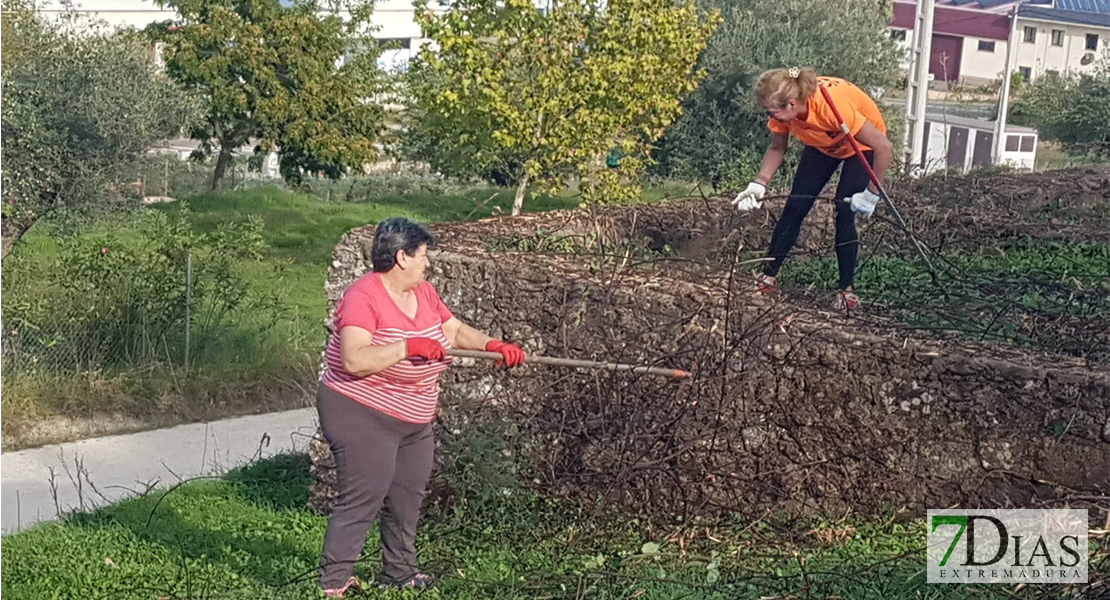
[93, 472]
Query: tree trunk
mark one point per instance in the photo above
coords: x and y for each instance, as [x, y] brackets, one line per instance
[518, 202]
[8, 242]
[12, 231]
[221, 167]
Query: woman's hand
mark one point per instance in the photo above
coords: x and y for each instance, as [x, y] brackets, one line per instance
[465, 337]
[512, 353]
[864, 203]
[750, 197]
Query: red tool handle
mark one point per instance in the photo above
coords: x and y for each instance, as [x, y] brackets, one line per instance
[852, 140]
[875, 179]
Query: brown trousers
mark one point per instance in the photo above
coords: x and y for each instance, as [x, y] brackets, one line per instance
[383, 465]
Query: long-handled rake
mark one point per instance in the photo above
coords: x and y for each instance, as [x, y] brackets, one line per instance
[568, 362]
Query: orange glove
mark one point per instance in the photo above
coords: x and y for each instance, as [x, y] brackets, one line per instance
[512, 353]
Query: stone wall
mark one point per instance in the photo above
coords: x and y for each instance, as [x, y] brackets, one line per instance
[791, 408]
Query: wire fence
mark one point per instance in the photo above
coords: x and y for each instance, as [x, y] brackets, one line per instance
[46, 331]
[165, 177]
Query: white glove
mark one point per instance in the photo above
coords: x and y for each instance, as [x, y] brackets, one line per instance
[864, 202]
[750, 197]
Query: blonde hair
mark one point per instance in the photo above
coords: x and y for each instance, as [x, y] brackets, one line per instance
[777, 87]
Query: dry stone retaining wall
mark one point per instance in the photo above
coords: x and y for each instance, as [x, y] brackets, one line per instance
[791, 408]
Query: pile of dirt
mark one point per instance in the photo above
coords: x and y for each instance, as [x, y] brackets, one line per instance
[791, 407]
[1070, 205]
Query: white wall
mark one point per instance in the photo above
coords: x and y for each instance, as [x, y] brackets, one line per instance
[937, 151]
[936, 154]
[114, 13]
[393, 18]
[1041, 56]
[936, 148]
[981, 65]
[1019, 159]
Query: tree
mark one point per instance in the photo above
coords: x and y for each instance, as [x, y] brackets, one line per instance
[545, 96]
[722, 134]
[1073, 110]
[272, 75]
[79, 109]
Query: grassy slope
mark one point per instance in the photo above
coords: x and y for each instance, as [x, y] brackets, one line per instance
[302, 230]
[243, 371]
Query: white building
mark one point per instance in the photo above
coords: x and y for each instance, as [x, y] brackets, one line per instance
[1052, 39]
[972, 38]
[961, 144]
[113, 13]
[393, 21]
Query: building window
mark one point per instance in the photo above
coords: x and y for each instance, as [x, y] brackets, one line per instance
[1013, 142]
[1057, 37]
[985, 46]
[1027, 143]
[898, 35]
[1030, 35]
[1092, 41]
[1026, 73]
[395, 43]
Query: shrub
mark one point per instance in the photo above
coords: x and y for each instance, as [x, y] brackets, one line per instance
[119, 300]
[79, 109]
[1072, 110]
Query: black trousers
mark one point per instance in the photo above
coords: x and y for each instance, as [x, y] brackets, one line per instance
[814, 172]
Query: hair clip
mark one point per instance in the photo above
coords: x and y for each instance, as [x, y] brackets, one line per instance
[794, 72]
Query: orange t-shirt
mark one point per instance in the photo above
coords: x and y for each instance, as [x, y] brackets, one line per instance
[821, 129]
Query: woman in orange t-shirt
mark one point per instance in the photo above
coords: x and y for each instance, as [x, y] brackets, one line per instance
[796, 107]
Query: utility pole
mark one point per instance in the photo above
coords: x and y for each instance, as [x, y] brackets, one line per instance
[917, 85]
[1004, 92]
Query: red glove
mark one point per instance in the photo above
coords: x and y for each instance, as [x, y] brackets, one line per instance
[424, 348]
[512, 353]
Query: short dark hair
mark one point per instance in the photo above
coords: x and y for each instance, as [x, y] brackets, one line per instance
[397, 233]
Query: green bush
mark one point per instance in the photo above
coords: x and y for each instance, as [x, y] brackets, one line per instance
[1072, 110]
[479, 467]
[80, 107]
[119, 300]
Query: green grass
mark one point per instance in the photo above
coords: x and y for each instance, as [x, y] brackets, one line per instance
[1046, 294]
[1052, 156]
[301, 230]
[248, 535]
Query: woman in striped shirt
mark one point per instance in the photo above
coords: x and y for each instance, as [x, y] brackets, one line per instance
[377, 399]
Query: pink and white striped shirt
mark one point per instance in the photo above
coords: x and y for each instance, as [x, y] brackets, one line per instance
[408, 390]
